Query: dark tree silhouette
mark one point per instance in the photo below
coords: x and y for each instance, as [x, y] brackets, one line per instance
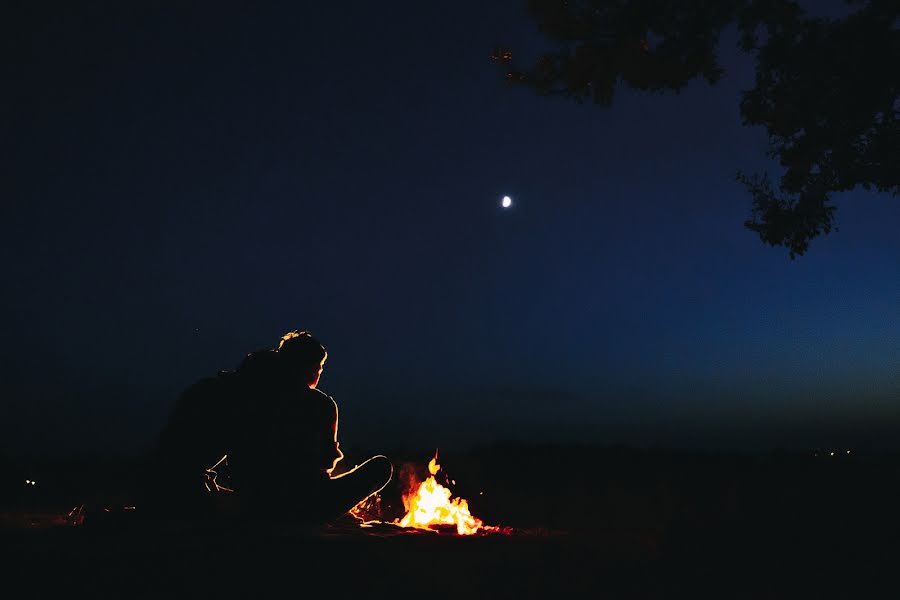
[827, 89]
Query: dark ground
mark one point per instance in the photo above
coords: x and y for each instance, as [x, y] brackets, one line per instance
[584, 522]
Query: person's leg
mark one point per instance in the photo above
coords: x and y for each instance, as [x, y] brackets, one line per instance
[319, 501]
[346, 490]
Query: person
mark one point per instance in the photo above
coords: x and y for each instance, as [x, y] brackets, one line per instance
[262, 440]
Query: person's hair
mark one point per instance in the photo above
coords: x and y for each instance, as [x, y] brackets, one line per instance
[301, 349]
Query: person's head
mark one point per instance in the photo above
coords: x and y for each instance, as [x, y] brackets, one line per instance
[303, 356]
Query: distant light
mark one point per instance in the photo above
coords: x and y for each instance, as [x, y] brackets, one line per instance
[27, 482]
[832, 453]
[848, 452]
[506, 202]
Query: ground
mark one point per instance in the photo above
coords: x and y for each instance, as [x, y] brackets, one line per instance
[641, 525]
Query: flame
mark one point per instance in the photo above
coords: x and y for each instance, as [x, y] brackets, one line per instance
[432, 504]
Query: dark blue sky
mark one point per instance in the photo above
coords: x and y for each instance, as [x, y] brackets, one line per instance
[180, 188]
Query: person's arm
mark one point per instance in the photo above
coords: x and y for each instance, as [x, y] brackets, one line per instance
[337, 454]
[331, 449]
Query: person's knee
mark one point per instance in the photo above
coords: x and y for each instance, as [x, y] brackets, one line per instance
[382, 468]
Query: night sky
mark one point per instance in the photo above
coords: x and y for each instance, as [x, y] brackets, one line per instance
[182, 186]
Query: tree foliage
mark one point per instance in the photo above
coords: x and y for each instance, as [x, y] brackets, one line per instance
[826, 89]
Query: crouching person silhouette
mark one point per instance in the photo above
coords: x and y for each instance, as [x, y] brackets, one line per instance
[261, 442]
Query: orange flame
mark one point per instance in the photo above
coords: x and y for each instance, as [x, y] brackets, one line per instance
[432, 505]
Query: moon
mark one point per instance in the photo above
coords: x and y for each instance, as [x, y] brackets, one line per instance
[506, 202]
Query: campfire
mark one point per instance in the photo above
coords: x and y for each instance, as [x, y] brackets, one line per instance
[431, 506]
[428, 504]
